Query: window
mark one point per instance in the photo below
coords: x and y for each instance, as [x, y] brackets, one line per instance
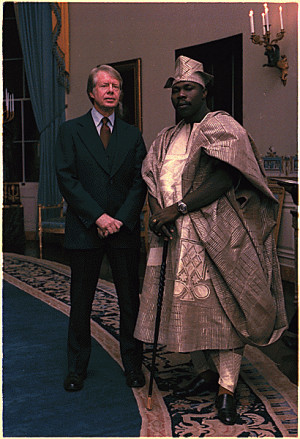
[21, 155]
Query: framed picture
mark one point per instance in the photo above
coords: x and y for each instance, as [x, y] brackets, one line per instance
[131, 100]
[272, 163]
[295, 163]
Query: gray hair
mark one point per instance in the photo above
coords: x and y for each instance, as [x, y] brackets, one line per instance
[93, 74]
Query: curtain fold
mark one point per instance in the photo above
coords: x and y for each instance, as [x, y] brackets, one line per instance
[47, 95]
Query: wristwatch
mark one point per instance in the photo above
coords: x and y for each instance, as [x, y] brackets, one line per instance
[182, 207]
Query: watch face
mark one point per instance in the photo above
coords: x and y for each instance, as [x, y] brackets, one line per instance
[182, 207]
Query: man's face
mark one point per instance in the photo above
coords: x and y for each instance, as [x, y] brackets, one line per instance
[188, 99]
[106, 93]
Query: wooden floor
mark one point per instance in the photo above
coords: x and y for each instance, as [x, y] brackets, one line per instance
[284, 352]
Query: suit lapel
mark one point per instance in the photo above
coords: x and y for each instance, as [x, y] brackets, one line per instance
[121, 145]
[90, 138]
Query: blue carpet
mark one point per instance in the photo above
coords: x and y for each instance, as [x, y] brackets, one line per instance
[35, 403]
[34, 366]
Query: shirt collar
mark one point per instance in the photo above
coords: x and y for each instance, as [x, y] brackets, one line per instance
[97, 118]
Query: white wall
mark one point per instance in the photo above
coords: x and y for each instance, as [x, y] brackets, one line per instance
[111, 32]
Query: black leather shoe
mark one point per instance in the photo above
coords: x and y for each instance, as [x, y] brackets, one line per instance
[74, 382]
[226, 406]
[197, 386]
[135, 378]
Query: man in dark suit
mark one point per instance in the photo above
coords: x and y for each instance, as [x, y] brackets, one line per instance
[98, 164]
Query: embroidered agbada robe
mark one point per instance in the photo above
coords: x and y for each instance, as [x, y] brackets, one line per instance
[222, 286]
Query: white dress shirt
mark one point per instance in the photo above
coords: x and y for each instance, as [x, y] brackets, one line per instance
[97, 118]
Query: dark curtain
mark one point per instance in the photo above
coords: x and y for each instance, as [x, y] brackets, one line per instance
[47, 95]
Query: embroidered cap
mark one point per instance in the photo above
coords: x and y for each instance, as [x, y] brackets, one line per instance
[187, 69]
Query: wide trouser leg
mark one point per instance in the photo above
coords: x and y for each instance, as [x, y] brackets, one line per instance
[201, 362]
[85, 267]
[228, 364]
[124, 263]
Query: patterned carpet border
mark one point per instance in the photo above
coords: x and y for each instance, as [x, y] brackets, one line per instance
[267, 399]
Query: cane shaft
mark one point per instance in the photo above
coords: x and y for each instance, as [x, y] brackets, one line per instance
[157, 320]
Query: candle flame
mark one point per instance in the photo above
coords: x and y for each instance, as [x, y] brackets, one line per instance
[250, 13]
[280, 8]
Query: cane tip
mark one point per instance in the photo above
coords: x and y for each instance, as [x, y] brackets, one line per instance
[149, 403]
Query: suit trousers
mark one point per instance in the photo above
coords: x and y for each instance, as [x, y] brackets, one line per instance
[85, 268]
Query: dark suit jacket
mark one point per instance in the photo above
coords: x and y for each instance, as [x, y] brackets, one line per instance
[91, 188]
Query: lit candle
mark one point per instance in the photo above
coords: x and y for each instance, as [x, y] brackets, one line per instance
[13, 103]
[6, 99]
[267, 16]
[251, 21]
[281, 19]
[263, 23]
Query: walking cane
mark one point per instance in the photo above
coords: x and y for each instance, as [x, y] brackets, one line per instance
[157, 320]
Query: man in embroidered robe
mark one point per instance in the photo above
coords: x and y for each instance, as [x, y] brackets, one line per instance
[208, 196]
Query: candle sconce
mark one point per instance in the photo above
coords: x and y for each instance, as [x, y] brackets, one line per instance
[9, 112]
[8, 116]
[272, 50]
